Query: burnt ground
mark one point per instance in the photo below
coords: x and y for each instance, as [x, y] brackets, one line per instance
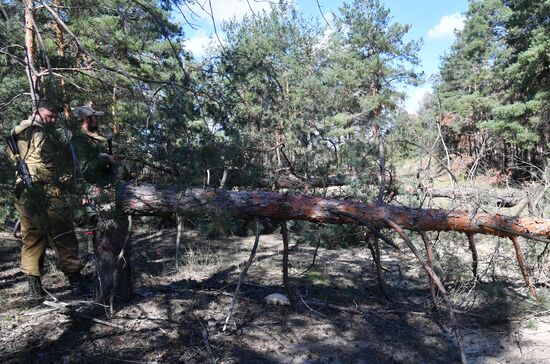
[178, 315]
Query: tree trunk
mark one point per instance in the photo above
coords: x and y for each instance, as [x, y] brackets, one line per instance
[150, 200]
[114, 269]
[30, 52]
[60, 43]
[115, 127]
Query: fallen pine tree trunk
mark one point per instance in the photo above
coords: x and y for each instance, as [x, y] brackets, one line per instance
[149, 200]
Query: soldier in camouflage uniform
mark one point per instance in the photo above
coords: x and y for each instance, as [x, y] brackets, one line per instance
[98, 168]
[92, 149]
[44, 209]
[97, 163]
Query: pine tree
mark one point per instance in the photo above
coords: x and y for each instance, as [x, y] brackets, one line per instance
[494, 84]
[524, 118]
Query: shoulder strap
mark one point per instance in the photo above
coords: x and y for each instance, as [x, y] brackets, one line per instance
[24, 125]
[94, 136]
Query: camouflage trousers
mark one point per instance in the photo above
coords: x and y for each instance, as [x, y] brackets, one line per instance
[46, 222]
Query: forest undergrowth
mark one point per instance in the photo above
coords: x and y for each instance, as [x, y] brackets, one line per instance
[177, 315]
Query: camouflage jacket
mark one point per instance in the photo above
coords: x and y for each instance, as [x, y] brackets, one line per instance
[42, 148]
[95, 162]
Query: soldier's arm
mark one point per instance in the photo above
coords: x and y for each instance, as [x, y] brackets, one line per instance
[92, 163]
[101, 163]
[39, 155]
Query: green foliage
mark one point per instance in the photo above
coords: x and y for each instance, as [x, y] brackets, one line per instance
[254, 107]
[277, 66]
[495, 81]
[6, 203]
[12, 75]
[468, 76]
[328, 236]
[318, 278]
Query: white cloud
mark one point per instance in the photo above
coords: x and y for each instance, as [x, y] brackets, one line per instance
[324, 38]
[447, 26]
[199, 43]
[223, 10]
[415, 97]
[228, 9]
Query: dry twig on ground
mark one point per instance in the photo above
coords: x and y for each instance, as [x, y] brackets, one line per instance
[243, 274]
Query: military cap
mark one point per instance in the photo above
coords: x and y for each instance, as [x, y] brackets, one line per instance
[86, 111]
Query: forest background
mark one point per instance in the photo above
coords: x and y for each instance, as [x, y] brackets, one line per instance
[284, 96]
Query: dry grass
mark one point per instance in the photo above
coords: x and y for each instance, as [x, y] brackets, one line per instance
[165, 322]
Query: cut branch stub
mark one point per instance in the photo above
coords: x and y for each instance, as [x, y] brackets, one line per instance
[522, 267]
[473, 249]
[150, 200]
[429, 260]
[375, 251]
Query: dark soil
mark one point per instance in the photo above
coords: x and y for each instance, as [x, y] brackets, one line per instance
[178, 315]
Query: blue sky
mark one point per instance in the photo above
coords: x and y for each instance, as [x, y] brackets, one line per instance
[431, 20]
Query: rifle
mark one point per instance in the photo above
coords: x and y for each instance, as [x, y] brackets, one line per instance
[22, 168]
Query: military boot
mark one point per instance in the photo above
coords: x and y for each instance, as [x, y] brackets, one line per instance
[36, 293]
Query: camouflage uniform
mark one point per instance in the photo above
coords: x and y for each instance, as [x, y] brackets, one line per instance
[97, 169]
[44, 210]
[100, 175]
[92, 151]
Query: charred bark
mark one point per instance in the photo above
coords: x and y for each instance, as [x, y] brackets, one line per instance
[150, 200]
[114, 274]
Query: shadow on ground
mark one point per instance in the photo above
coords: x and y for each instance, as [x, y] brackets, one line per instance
[178, 315]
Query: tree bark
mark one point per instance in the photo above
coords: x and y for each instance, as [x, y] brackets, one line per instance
[30, 52]
[150, 200]
[113, 253]
[60, 43]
